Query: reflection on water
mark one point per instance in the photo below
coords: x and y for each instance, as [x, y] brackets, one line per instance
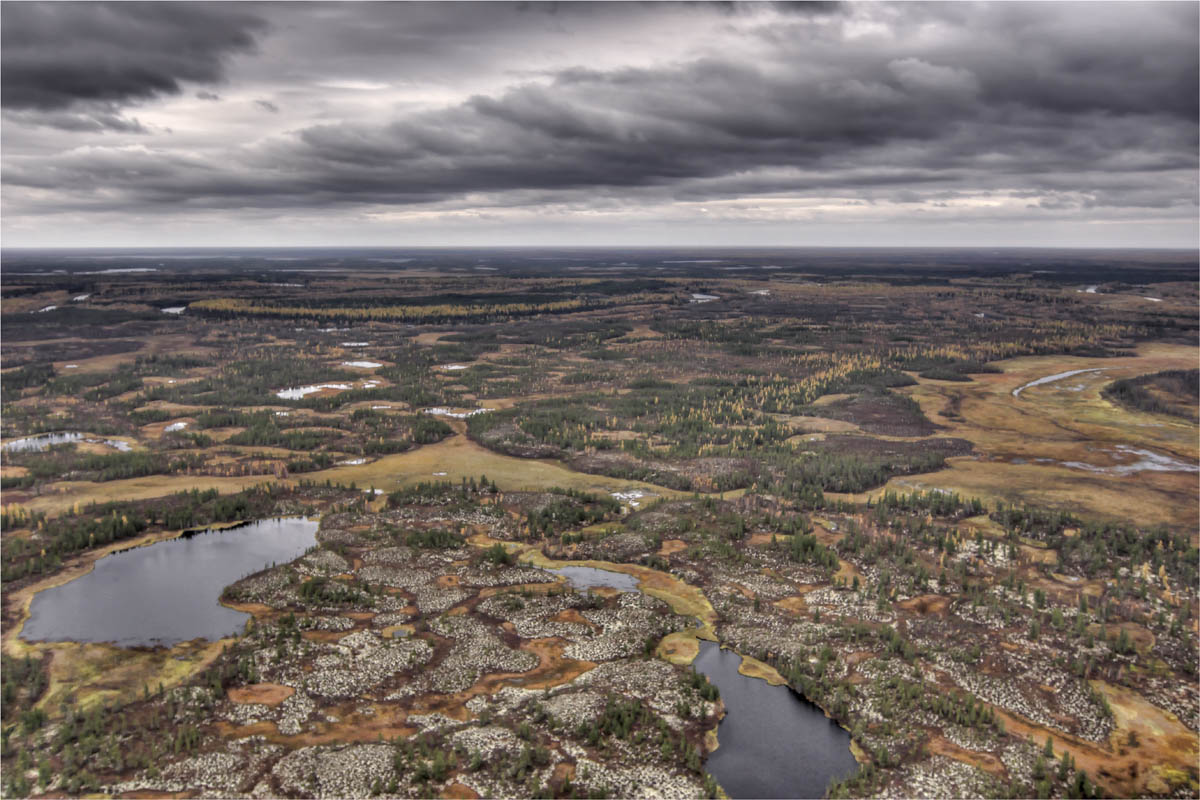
[584, 578]
[37, 444]
[773, 743]
[167, 592]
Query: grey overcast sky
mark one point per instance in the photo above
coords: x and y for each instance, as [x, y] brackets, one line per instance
[1022, 124]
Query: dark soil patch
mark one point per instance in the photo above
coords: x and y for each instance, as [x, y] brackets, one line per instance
[881, 412]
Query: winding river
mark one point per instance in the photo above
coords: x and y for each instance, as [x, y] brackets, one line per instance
[167, 592]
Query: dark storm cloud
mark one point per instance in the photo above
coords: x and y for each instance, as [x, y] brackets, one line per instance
[94, 120]
[57, 55]
[1071, 105]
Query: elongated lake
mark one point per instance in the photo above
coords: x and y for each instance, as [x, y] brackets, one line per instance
[167, 592]
[773, 743]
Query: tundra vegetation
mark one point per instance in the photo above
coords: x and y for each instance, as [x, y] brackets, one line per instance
[825, 469]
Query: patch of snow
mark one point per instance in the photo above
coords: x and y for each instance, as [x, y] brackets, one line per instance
[703, 298]
[301, 391]
[120, 269]
[353, 462]
[1153, 299]
[362, 364]
[631, 496]
[455, 366]
[174, 310]
[71, 366]
[80, 298]
[445, 412]
[44, 310]
[175, 426]
[355, 344]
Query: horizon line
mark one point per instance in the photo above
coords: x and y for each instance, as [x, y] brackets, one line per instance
[15, 248]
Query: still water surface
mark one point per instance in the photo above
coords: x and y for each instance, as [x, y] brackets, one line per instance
[773, 743]
[584, 578]
[167, 592]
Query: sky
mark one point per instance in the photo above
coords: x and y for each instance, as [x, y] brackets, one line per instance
[597, 124]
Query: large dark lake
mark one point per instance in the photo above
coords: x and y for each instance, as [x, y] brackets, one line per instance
[773, 743]
[167, 592]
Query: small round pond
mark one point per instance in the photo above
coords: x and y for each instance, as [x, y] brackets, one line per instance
[773, 743]
[167, 592]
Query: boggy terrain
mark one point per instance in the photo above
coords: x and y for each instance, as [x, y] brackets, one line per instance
[954, 508]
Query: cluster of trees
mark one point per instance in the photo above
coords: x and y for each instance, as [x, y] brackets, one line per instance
[65, 459]
[936, 502]
[99, 524]
[327, 592]
[24, 680]
[28, 376]
[829, 469]
[573, 510]
[433, 539]
[1137, 393]
[438, 492]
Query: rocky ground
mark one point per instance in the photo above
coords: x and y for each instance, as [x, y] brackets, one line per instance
[418, 652]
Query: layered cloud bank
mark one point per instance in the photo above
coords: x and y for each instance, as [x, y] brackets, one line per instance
[915, 123]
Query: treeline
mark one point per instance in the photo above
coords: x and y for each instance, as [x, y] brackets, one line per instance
[937, 502]
[97, 525]
[833, 471]
[225, 308]
[439, 492]
[66, 460]
[1136, 392]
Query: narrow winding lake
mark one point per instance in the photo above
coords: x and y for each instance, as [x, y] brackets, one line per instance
[167, 592]
[772, 742]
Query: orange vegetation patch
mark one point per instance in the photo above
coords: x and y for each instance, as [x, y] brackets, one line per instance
[351, 726]
[795, 605]
[268, 694]
[563, 772]
[329, 637]
[984, 761]
[1165, 750]
[672, 546]
[553, 669]
[926, 604]
[459, 791]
